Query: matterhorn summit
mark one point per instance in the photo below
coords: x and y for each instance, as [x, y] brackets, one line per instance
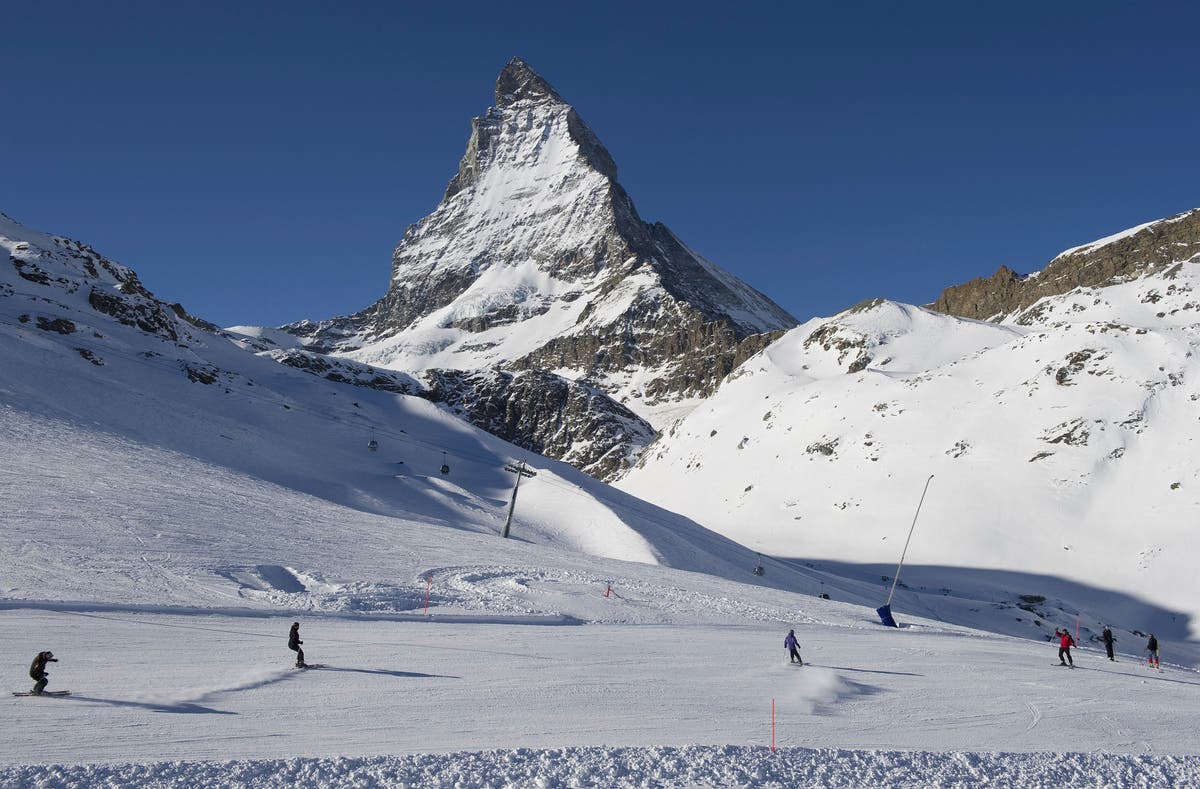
[537, 260]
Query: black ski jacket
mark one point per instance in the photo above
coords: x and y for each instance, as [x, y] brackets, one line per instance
[37, 669]
[294, 638]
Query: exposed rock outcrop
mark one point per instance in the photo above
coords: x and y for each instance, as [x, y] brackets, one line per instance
[1142, 250]
[548, 414]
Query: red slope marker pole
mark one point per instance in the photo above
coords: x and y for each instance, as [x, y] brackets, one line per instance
[772, 725]
[428, 583]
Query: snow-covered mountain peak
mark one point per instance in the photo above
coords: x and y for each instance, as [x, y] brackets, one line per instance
[518, 82]
[881, 335]
[530, 128]
[537, 259]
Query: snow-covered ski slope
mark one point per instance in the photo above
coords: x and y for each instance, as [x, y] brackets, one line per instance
[173, 500]
[210, 700]
[1063, 443]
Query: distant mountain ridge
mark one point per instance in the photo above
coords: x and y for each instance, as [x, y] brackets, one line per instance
[537, 260]
[1140, 250]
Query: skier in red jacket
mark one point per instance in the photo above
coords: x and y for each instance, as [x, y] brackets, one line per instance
[1065, 642]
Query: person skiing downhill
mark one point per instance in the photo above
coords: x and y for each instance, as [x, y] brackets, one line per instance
[37, 670]
[294, 643]
[1065, 642]
[793, 647]
[1107, 638]
[1152, 648]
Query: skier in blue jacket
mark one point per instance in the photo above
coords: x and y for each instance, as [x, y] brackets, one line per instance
[793, 647]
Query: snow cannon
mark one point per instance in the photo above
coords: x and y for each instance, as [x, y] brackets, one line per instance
[885, 616]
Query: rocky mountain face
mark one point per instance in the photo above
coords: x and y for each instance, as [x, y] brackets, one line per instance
[68, 287]
[1141, 250]
[547, 414]
[536, 261]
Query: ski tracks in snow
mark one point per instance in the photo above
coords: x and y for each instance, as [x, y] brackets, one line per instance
[1035, 715]
[604, 598]
[250, 681]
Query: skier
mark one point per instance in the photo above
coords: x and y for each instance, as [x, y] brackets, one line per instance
[1065, 642]
[793, 647]
[37, 670]
[1107, 637]
[294, 643]
[1152, 648]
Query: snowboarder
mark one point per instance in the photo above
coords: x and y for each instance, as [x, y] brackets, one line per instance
[294, 643]
[1152, 648]
[37, 670]
[793, 647]
[1107, 637]
[1065, 642]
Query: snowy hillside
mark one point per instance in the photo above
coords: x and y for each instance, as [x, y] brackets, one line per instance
[1063, 443]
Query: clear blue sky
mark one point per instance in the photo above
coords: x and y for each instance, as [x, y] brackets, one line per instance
[258, 162]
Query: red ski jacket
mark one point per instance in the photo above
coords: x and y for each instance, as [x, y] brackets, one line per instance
[1067, 642]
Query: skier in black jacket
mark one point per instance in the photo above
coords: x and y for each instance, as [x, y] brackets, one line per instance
[37, 670]
[294, 643]
[1107, 637]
